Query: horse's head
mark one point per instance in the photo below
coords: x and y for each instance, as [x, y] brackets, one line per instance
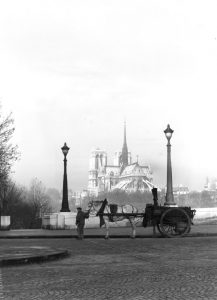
[91, 207]
[95, 205]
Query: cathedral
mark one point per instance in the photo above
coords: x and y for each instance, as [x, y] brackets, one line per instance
[122, 175]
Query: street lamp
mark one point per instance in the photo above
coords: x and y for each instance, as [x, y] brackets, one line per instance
[65, 203]
[169, 194]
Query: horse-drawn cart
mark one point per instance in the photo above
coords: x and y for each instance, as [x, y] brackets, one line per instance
[170, 221]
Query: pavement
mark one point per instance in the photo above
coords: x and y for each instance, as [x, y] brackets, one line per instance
[115, 269]
[17, 253]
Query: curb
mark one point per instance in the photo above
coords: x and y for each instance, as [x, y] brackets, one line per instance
[92, 236]
[33, 258]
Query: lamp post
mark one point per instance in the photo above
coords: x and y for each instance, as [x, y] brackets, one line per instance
[65, 203]
[169, 194]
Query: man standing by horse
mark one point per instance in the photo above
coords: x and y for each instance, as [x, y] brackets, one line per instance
[80, 222]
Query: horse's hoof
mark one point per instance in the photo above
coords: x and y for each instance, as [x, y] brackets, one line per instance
[106, 238]
[133, 237]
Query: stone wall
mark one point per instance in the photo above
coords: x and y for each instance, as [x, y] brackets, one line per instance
[67, 220]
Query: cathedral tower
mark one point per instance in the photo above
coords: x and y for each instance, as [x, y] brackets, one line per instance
[97, 163]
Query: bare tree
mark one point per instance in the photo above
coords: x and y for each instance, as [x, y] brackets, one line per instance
[39, 198]
[55, 199]
[16, 204]
[8, 155]
[10, 194]
[8, 152]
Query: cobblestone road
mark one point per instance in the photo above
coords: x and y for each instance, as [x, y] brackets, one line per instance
[120, 269]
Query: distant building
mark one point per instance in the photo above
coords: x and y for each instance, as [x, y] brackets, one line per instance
[180, 190]
[122, 175]
[211, 188]
[77, 198]
[180, 193]
[210, 185]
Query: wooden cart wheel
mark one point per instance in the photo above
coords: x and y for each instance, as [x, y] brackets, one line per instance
[159, 229]
[174, 222]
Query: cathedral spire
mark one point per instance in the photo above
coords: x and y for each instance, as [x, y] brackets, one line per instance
[125, 136]
[124, 154]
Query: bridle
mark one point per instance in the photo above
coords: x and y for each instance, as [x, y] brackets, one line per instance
[92, 207]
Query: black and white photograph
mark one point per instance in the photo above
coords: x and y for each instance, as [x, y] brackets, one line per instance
[108, 150]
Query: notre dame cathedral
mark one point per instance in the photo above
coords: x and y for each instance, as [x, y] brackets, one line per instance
[123, 174]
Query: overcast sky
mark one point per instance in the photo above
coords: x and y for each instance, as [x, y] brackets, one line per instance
[72, 71]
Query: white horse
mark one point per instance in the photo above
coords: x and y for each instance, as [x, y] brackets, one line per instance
[100, 208]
